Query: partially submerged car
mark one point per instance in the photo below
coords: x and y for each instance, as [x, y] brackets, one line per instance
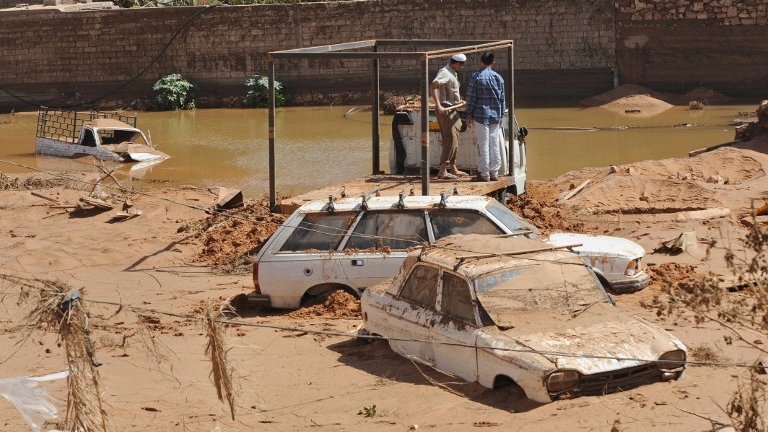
[353, 243]
[105, 135]
[513, 311]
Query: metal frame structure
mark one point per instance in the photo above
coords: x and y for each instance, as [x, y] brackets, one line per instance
[378, 51]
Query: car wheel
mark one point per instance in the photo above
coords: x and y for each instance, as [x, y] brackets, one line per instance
[508, 385]
[362, 336]
[606, 285]
[318, 294]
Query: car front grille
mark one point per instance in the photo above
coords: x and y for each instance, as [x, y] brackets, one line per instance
[619, 380]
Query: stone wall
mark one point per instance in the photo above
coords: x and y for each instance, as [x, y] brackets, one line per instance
[114, 56]
[564, 50]
[681, 45]
[713, 12]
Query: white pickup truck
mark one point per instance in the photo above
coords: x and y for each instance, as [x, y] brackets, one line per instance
[105, 135]
[405, 149]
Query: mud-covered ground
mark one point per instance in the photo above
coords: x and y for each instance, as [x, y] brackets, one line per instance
[148, 280]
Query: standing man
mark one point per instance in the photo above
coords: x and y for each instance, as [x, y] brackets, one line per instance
[485, 112]
[445, 90]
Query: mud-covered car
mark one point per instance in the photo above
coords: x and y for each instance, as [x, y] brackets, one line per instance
[514, 311]
[352, 243]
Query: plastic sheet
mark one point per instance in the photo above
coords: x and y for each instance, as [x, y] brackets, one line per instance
[32, 402]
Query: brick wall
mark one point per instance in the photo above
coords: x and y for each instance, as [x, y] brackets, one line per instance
[52, 57]
[564, 50]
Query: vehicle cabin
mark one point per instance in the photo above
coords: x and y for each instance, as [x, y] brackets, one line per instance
[105, 135]
[517, 312]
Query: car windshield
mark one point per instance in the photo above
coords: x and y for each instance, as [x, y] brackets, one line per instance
[512, 221]
[447, 222]
[564, 288]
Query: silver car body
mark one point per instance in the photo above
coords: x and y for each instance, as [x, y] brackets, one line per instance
[529, 315]
[365, 241]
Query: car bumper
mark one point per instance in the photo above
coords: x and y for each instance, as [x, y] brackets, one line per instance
[630, 284]
[255, 299]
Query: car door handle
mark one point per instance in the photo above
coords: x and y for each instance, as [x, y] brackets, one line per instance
[358, 262]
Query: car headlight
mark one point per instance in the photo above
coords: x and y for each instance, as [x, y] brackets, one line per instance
[562, 380]
[672, 360]
[632, 268]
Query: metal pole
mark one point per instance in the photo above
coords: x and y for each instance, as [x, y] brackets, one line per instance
[376, 169]
[425, 125]
[272, 189]
[511, 106]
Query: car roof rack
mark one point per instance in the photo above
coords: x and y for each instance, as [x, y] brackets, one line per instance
[520, 252]
[400, 201]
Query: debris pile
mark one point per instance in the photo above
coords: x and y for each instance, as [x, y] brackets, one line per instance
[757, 128]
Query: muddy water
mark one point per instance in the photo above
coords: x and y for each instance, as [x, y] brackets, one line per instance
[321, 146]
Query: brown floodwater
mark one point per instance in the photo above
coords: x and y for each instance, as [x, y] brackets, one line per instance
[318, 146]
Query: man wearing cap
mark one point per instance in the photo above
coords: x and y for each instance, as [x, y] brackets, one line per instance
[485, 112]
[445, 91]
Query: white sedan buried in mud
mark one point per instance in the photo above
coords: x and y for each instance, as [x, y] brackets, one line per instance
[515, 311]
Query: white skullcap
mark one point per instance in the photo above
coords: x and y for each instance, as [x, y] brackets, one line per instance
[459, 57]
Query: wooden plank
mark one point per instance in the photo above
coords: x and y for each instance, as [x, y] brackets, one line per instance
[576, 190]
[39, 195]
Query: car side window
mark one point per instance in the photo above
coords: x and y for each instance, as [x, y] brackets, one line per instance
[319, 231]
[456, 299]
[421, 286]
[396, 230]
[452, 221]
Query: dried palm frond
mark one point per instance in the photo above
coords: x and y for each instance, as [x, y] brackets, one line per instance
[221, 373]
[59, 308]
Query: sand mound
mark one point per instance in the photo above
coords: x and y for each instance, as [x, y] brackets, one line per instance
[664, 186]
[638, 105]
[630, 99]
[619, 92]
[705, 95]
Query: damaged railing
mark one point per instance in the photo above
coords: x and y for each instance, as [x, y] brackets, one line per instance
[65, 125]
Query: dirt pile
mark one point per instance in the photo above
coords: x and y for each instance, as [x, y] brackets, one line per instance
[663, 186]
[757, 128]
[638, 105]
[231, 238]
[338, 304]
[637, 97]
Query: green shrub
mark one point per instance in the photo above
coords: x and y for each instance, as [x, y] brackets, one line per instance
[258, 92]
[175, 93]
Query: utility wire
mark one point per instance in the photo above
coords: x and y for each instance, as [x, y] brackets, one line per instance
[127, 83]
[317, 228]
[233, 322]
[331, 333]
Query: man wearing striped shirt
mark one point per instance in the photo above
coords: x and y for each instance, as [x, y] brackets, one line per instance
[485, 112]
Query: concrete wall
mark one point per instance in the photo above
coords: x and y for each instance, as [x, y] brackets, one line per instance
[564, 50]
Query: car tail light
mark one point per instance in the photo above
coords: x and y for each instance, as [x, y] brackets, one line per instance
[257, 289]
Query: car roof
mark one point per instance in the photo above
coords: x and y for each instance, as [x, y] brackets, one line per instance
[473, 202]
[478, 254]
[106, 123]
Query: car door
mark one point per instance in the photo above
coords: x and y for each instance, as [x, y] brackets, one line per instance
[412, 314]
[455, 331]
[303, 256]
[378, 244]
